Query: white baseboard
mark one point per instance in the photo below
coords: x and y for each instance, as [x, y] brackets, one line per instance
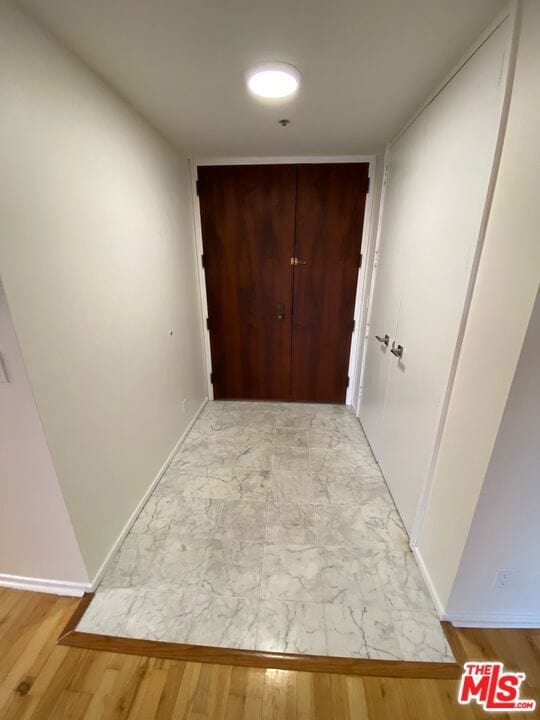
[55, 587]
[494, 620]
[429, 582]
[475, 619]
[120, 539]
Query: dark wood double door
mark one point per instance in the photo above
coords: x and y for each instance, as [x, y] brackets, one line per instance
[281, 256]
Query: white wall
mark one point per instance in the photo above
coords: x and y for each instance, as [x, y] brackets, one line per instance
[501, 306]
[98, 265]
[505, 532]
[36, 535]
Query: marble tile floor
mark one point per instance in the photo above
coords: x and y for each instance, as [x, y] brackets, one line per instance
[272, 529]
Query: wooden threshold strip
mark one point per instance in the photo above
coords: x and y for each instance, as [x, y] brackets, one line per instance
[251, 658]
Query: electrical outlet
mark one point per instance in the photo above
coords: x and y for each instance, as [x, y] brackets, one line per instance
[505, 577]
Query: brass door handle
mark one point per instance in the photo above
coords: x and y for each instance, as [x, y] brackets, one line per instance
[384, 340]
[397, 351]
[298, 261]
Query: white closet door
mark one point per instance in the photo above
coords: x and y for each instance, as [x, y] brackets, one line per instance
[459, 139]
[402, 171]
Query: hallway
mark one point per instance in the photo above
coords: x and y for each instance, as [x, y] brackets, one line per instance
[273, 530]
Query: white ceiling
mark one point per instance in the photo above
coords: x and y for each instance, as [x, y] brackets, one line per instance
[366, 65]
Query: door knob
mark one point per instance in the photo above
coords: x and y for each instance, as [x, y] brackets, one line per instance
[280, 311]
[397, 351]
[298, 261]
[384, 340]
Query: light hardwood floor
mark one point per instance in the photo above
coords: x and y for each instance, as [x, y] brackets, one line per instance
[40, 679]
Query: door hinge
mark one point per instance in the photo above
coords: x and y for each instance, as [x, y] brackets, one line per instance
[208, 323]
[368, 183]
[211, 378]
[353, 325]
[197, 187]
[348, 380]
[203, 261]
[360, 260]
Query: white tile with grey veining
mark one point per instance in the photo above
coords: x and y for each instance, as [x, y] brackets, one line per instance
[335, 488]
[340, 525]
[155, 517]
[234, 435]
[219, 483]
[291, 572]
[258, 417]
[343, 439]
[193, 516]
[255, 455]
[206, 455]
[361, 460]
[177, 481]
[291, 523]
[160, 615]
[180, 566]
[134, 560]
[401, 581]
[383, 523]
[272, 528]
[349, 576]
[291, 627]
[336, 422]
[421, 637]
[291, 458]
[290, 437]
[361, 631]
[243, 520]
[223, 622]
[291, 416]
[291, 486]
[108, 612]
[243, 483]
[369, 489]
[234, 568]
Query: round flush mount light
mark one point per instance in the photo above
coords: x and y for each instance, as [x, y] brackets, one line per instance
[273, 81]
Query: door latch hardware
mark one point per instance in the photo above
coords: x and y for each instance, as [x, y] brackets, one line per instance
[397, 351]
[298, 261]
[280, 310]
[384, 340]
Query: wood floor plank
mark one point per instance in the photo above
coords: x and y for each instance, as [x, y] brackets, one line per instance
[40, 680]
[279, 699]
[169, 695]
[149, 692]
[356, 696]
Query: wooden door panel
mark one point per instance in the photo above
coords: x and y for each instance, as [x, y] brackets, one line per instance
[330, 203]
[247, 217]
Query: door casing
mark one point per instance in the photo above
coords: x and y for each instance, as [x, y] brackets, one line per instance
[364, 277]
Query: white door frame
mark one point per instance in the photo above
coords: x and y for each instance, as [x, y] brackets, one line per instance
[363, 274]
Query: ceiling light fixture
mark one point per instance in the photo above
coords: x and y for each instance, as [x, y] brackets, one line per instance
[273, 81]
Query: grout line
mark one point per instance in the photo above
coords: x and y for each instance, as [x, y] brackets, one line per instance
[325, 629]
[260, 599]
